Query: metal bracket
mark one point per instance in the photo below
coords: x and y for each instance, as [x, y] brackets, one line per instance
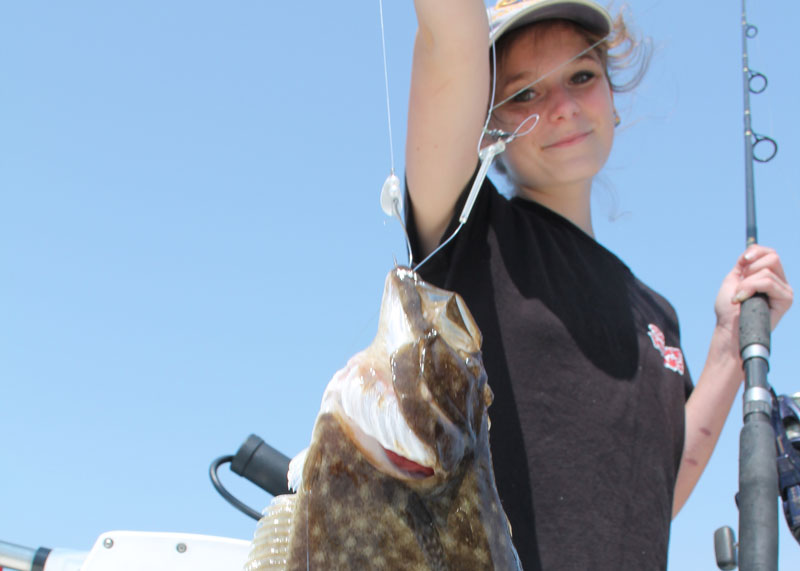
[755, 350]
[757, 399]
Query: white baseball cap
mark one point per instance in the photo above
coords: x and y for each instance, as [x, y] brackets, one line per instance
[509, 14]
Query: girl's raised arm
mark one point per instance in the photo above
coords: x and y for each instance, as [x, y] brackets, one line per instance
[447, 108]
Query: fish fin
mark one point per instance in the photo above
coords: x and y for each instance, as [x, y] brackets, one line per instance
[295, 475]
[270, 548]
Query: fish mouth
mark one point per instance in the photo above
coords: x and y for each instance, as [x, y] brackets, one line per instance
[447, 313]
[364, 400]
[408, 466]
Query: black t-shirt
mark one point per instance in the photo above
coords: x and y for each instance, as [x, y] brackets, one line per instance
[587, 423]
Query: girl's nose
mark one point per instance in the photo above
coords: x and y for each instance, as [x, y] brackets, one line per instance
[562, 104]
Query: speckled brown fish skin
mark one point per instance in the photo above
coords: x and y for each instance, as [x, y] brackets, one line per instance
[349, 515]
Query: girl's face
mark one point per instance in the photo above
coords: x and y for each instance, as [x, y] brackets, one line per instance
[573, 138]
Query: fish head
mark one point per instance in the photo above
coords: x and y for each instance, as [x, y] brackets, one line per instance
[414, 402]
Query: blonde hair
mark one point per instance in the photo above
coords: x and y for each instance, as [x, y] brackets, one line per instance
[626, 52]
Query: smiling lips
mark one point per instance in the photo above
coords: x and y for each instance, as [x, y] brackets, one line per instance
[568, 141]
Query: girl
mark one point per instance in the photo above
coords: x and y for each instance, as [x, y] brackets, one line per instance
[598, 434]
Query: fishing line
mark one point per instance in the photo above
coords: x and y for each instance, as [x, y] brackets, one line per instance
[486, 156]
[391, 194]
[551, 72]
[386, 85]
[485, 130]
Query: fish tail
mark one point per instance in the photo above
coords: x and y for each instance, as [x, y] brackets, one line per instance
[270, 547]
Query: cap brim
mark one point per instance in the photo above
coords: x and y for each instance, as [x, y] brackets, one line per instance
[585, 13]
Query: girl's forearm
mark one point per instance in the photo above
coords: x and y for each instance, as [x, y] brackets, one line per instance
[706, 411]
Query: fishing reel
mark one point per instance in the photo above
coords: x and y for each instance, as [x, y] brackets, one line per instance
[786, 425]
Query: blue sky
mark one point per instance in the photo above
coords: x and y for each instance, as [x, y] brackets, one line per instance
[191, 241]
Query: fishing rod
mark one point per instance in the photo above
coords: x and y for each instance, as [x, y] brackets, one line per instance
[758, 474]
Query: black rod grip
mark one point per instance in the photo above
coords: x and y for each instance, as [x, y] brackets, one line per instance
[754, 325]
[263, 465]
[758, 496]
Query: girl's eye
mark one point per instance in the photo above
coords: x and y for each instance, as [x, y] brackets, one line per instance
[524, 96]
[583, 77]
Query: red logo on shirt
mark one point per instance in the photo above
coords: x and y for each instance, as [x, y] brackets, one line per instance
[673, 358]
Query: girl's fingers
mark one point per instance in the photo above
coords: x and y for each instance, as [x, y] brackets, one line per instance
[766, 260]
[754, 252]
[764, 281]
[777, 290]
[758, 270]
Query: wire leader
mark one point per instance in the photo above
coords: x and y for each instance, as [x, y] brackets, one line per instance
[391, 194]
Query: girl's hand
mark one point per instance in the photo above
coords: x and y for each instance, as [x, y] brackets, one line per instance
[758, 270]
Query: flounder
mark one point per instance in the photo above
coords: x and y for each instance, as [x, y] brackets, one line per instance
[398, 475]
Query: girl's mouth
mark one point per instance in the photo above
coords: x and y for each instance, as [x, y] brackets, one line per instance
[568, 141]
